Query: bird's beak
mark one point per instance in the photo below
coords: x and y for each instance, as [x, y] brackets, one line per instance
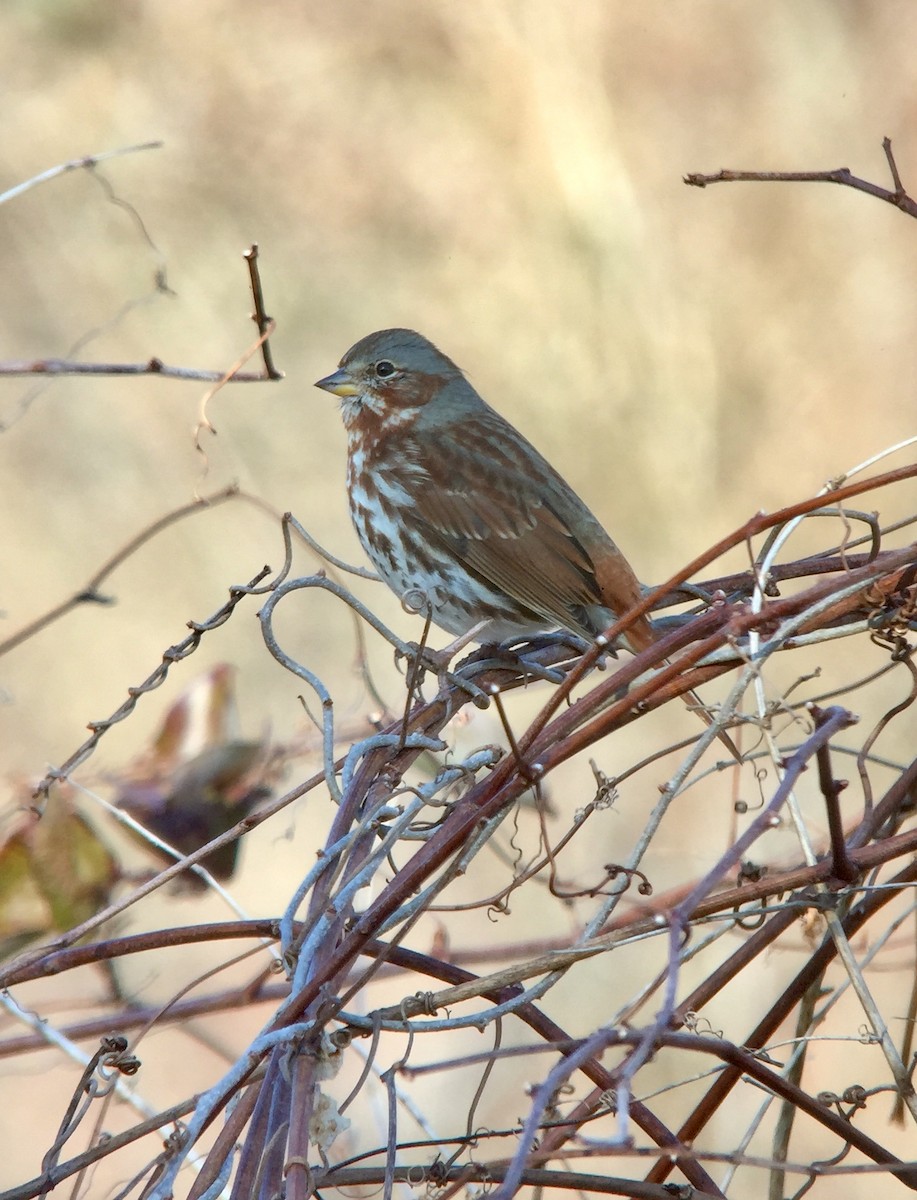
[339, 384]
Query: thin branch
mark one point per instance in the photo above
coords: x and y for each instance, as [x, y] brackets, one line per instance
[259, 316]
[87, 162]
[841, 175]
[152, 366]
[89, 593]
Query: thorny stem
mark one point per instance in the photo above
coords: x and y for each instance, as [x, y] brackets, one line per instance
[377, 803]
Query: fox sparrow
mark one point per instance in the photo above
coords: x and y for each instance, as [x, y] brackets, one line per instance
[462, 517]
[459, 512]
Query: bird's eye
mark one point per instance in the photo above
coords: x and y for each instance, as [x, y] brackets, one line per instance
[384, 368]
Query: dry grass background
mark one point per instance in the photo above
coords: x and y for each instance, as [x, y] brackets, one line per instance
[505, 177]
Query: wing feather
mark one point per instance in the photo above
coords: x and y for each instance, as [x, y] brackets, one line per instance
[509, 518]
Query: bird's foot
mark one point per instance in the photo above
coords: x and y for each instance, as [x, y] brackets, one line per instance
[522, 658]
[423, 659]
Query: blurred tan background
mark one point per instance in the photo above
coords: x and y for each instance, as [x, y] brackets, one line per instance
[506, 178]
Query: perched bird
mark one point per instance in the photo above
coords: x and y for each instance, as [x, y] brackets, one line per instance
[455, 507]
[458, 512]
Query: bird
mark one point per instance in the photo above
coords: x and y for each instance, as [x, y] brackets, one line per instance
[459, 513]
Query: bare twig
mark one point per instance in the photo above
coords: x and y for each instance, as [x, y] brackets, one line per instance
[841, 175]
[87, 162]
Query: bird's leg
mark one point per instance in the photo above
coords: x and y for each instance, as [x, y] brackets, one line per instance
[559, 637]
[519, 656]
[449, 652]
[437, 662]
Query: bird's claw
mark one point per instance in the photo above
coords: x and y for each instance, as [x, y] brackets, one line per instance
[436, 662]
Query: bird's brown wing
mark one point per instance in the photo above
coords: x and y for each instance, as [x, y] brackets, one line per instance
[509, 518]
